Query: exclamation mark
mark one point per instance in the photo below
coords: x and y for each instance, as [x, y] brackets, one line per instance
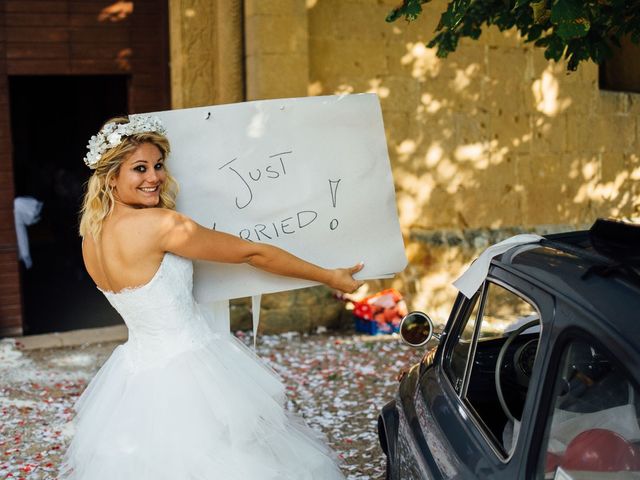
[333, 185]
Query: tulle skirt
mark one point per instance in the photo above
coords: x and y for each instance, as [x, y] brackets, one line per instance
[211, 412]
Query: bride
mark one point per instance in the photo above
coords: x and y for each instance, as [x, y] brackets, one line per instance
[180, 399]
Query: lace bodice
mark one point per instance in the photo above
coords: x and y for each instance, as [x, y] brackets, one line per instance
[162, 315]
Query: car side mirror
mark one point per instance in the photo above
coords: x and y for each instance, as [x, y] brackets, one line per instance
[416, 329]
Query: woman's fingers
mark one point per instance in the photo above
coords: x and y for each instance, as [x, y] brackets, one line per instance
[344, 281]
[356, 268]
[352, 271]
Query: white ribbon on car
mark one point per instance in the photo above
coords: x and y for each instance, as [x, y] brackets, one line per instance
[469, 282]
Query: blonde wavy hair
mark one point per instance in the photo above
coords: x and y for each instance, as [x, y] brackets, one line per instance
[98, 200]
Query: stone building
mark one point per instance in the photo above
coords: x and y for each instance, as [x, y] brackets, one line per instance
[493, 140]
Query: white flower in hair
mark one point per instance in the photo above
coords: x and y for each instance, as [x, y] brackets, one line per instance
[114, 139]
[112, 134]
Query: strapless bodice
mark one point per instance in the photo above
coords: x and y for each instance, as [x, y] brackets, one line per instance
[162, 315]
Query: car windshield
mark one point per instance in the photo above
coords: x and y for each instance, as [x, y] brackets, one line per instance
[498, 327]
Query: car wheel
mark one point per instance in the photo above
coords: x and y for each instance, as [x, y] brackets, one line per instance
[387, 433]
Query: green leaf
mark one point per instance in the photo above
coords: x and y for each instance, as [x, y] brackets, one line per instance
[393, 15]
[568, 31]
[534, 33]
[571, 19]
[410, 9]
[555, 48]
[567, 11]
[577, 51]
[540, 11]
[454, 14]
[579, 30]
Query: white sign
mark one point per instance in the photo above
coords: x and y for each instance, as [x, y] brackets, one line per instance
[310, 175]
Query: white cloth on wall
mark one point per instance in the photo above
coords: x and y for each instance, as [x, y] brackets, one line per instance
[470, 281]
[26, 211]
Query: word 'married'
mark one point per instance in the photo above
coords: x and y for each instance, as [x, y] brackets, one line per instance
[286, 226]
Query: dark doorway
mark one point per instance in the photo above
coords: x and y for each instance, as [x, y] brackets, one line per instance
[52, 118]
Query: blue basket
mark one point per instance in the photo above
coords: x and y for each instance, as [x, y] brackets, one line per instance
[372, 327]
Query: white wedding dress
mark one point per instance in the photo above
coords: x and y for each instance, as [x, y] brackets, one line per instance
[182, 401]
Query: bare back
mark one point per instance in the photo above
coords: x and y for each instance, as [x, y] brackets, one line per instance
[128, 253]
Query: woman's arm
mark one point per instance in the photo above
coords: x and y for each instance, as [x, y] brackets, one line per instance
[182, 236]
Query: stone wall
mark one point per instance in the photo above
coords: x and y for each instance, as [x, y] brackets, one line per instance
[276, 48]
[207, 65]
[490, 141]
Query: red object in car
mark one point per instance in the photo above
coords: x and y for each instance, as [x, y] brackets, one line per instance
[552, 461]
[600, 450]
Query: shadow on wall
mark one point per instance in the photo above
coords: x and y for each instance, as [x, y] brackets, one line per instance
[492, 141]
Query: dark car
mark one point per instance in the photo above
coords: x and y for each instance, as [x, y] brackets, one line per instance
[537, 375]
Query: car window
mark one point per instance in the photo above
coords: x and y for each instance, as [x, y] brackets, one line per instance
[594, 431]
[503, 352]
[456, 363]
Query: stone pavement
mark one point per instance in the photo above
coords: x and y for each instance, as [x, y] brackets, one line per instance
[337, 382]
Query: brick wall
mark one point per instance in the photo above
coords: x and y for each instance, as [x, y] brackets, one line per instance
[10, 308]
[65, 37]
[92, 38]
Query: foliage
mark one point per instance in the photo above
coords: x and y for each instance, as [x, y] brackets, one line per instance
[579, 30]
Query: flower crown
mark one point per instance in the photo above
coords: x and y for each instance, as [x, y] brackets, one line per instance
[111, 135]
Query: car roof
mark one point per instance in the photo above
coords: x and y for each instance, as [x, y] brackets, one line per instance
[569, 265]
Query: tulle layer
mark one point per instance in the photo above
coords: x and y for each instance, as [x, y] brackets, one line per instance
[211, 412]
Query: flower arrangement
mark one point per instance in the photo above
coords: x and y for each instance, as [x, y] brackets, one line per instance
[380, 312]
[111, 135]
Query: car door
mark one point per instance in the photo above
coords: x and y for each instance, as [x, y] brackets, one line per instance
[588, 423]
[469, 434]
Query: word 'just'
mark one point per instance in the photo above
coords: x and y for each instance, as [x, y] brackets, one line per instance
[275, 169]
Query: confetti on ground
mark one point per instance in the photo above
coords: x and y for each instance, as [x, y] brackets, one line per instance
[338, 383]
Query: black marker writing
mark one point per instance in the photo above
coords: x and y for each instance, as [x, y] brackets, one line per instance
[333, 186]
[271, 171]
[286, 226]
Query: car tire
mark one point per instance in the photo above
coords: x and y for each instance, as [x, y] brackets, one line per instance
[387, 433]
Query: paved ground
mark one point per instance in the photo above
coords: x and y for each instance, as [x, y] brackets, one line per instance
[337, 383]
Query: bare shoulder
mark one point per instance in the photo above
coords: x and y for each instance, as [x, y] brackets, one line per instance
[160, 226]
[148, 221]
[135, 232]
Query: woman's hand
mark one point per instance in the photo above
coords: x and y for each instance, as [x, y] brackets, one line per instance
[342, 278]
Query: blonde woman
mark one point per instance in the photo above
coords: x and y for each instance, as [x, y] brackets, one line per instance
[179, 400]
